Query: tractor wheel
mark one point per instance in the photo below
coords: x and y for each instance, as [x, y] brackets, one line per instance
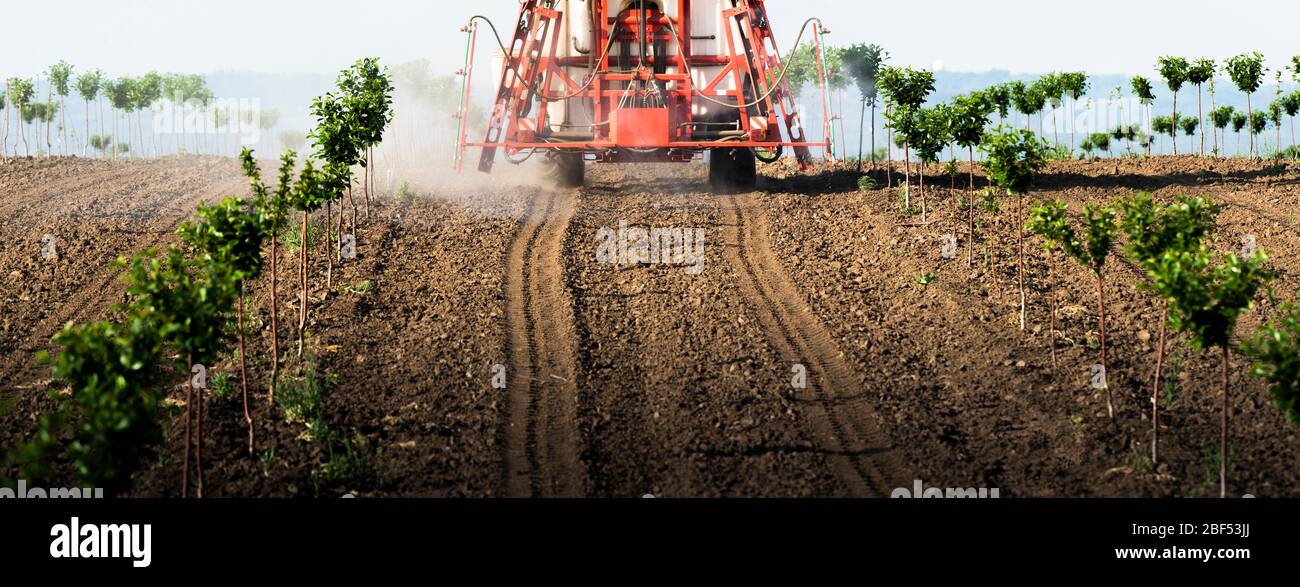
[732, 171]
[567, 170]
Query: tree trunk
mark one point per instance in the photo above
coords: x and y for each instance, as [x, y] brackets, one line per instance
[907, 177]
[1250, 125]
[329, 259]
[4, 135]
[873, 136]
[369, 161]
[1056, 135]
[1101, 306]
[338, 243]
[862, 129]
[924, 211]
[1223, 431]
[1174, 121]
[1215, 133]
[243, 367]
[1073, 140]
[1051, 330]
[1200, 114]
[889, 151]
[189, 416]
[49, 145]
[1155, 389]
[1020, 254]
[275, 326]
[198, 448]
[1277, 147]
[1149, 141]
[353, 204]
[85, 146]
[970, 206]
[302, 279]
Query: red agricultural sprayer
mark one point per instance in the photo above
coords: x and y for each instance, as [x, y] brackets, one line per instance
[643, 81]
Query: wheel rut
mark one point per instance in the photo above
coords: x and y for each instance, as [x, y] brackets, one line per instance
[843, 424]
[541, 441]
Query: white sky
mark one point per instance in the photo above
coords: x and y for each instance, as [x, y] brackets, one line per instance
[128, 37]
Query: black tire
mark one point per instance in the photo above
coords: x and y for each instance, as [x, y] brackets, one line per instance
[568, 170]
[732, 171]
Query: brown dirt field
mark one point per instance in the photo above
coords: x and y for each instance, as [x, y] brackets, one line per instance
[628, 379]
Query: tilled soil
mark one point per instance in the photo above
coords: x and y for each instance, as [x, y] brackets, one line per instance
[480, 345]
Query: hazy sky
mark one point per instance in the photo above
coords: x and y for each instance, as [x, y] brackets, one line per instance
[321, 36]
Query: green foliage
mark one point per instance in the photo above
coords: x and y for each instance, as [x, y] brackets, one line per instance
[1188, 124]
[1275, 349]
[367, 92]
[1013, 158]
[270, 207]
[1142, 89]
[120, 92]
[187, 301]
[311, 191]
[301, 398]
[229, 235]
[1086, 145]
[1222, 116]
[1153, 229]
[905, 90]
[1051, 87]
[801, 68]
[999, 99]
[359, 288]
[1049, 220]
[1174, 71]
[89, 85]
[862, 63]
[931, 132]
[1200, 71]
[1239, 121]
[221, 386]
[60, 76]
[1164, 125]
[1205, 300]
[1291, 103]
[112, 411]
[968, 116]
[867, 183]
[1246, 71]
[146, 91]
[21, 92]
[1028, 99]
[1075, 84]
[1099, 141]
[1258, 122]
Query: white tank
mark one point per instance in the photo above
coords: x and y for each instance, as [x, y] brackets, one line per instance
[577, 40]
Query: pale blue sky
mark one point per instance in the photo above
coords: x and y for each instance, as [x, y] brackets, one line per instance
[294, 36]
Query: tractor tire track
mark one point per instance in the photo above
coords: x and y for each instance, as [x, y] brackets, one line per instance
[844, 425]
[541, 442]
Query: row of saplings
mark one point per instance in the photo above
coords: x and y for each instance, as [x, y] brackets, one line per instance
[179, 303]
[1202, 294]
